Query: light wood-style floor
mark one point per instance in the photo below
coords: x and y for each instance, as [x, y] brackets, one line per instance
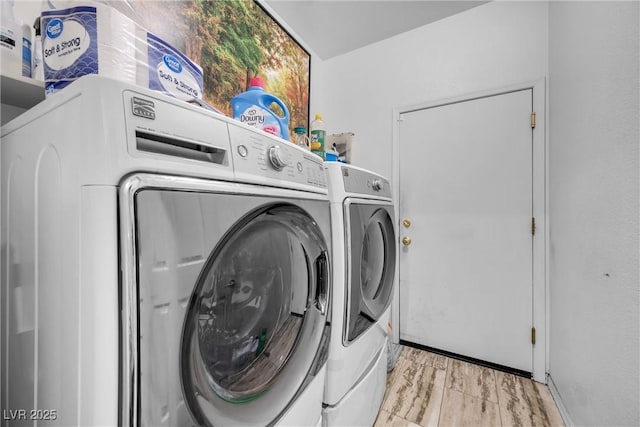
[426, 389]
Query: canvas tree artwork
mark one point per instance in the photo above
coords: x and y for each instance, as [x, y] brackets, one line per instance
[233, 41]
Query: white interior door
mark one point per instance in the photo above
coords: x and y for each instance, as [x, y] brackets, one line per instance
[466, 189]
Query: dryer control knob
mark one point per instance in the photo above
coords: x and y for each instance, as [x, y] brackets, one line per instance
[376, 185]
[276, 158]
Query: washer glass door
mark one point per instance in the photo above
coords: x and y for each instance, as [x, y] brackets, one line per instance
[262, 288]
[372, 262]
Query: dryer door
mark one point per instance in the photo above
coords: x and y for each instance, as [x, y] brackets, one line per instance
[371, 254]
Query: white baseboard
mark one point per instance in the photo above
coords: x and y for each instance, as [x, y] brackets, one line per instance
[556, 397]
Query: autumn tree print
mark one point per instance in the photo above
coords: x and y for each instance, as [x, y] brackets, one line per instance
[233, 41]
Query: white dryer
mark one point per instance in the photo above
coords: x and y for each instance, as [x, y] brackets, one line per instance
[161, 265]
[364, 250]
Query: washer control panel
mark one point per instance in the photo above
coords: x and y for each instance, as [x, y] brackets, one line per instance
[266, 159]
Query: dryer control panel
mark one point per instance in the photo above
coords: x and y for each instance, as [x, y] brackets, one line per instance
[361, 182]
[264, 159]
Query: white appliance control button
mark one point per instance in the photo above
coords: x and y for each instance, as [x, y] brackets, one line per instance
[276, 157]
[376, 185]
[242, 150]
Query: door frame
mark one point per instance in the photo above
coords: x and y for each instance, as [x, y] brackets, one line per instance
[540, 286]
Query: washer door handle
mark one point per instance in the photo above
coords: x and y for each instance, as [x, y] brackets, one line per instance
[322, 281]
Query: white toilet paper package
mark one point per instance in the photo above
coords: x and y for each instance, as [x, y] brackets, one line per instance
[80, 38]
[71, 47]
[170, 71]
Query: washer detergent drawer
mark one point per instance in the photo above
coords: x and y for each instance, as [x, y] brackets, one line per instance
[228, 296]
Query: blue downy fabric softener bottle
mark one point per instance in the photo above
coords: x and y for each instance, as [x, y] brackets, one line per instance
[252, 108]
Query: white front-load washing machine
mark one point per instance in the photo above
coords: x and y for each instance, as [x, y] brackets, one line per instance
[364, 250]
[161, 265]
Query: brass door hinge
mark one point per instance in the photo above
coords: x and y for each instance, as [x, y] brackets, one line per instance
[533, 226]
[533, 120]
[533, 336]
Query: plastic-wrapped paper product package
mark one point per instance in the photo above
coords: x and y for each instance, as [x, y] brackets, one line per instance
[93, 37]
[166, 69]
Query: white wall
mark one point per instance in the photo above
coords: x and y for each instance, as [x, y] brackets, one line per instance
[594, 135]
[26, 11]
[491, 46]
[589, 51]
